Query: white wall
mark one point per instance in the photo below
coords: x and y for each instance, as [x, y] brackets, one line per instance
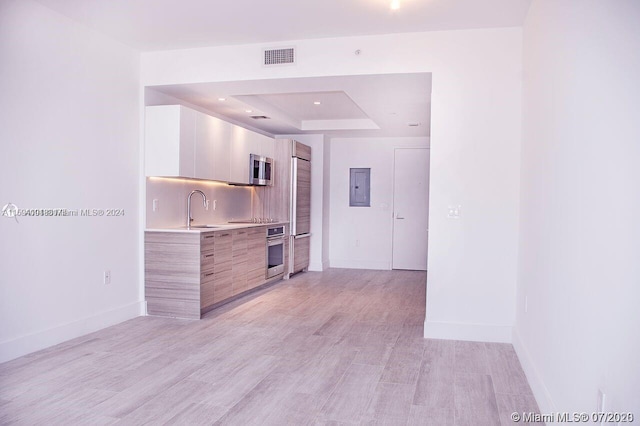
[69, 135]
[361, 237]
[317, 259]
[580, 226]
[475, 151]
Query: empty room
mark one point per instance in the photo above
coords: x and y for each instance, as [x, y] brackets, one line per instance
[411, 212]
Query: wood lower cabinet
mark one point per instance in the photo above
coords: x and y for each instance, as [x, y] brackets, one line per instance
[240, 261]
[257, 252]
[188, 273]
[207, 253]
[301, 249]
[222, 266]
[173, 264]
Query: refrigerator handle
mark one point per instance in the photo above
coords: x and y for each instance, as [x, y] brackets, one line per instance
[294, 193]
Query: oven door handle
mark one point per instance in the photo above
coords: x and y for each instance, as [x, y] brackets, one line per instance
[299, 237]
[275, 241]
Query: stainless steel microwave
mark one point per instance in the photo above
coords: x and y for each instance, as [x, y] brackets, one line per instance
[260, 170]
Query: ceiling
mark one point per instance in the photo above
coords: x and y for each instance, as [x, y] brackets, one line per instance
[389, 105]
[396, 105]
[177, 24]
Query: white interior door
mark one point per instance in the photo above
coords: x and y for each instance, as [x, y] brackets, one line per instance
[411, 209]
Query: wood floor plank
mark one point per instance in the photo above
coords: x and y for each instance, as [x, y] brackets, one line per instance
[320, 377]
[167, 404]
[142, 391]
[471, 357]
[234, 388]
[435, 386]
[295, 409]
[257, 404]
[508, 404]
[475, 401]
[391, 403]
[506, 371]
[337, 325]
[197, 415]
[403, 365]
[353, 393]
[420, 415]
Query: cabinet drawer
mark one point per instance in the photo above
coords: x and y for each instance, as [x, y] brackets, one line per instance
[207, 256]
[207, 276]
[206, 240]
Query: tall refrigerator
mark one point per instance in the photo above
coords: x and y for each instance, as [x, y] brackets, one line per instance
[300, 214]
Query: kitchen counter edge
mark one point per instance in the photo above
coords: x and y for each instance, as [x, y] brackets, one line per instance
[218, 227]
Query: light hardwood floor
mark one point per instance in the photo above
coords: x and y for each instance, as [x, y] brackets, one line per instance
[338, 347]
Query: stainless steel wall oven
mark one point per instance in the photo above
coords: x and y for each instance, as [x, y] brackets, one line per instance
[275, 251]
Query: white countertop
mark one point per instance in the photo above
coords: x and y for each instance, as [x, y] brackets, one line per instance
[215, 227]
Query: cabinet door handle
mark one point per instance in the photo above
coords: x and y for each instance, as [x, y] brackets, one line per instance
[209, 236]
[209, 274]
[223, 235]
[208, 255]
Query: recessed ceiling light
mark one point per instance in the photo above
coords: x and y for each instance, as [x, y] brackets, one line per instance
[248, 110]
[222, 99]
[316, 102]
[395, 5]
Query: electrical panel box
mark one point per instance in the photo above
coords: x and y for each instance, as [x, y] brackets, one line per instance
[360, 187]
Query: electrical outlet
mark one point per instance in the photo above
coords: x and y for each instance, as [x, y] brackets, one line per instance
[107, 277]
[156, 205]
[215, 204]
[207, 205]
[454, 212]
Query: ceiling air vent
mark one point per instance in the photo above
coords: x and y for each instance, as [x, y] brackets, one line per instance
[279, 56]
[260, 117]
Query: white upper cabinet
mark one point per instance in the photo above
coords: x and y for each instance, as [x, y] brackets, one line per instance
[264, 145]
[181, 142]
[204, 147]
[213, 138]
[241, 149]
[170, 141]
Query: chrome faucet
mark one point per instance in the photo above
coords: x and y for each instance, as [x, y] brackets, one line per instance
[204, 202]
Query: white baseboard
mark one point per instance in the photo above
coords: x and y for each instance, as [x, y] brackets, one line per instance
[27, 344]
[539, 389]
[469, 332]
[315, 266]
[360, 264]
[319, 266]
